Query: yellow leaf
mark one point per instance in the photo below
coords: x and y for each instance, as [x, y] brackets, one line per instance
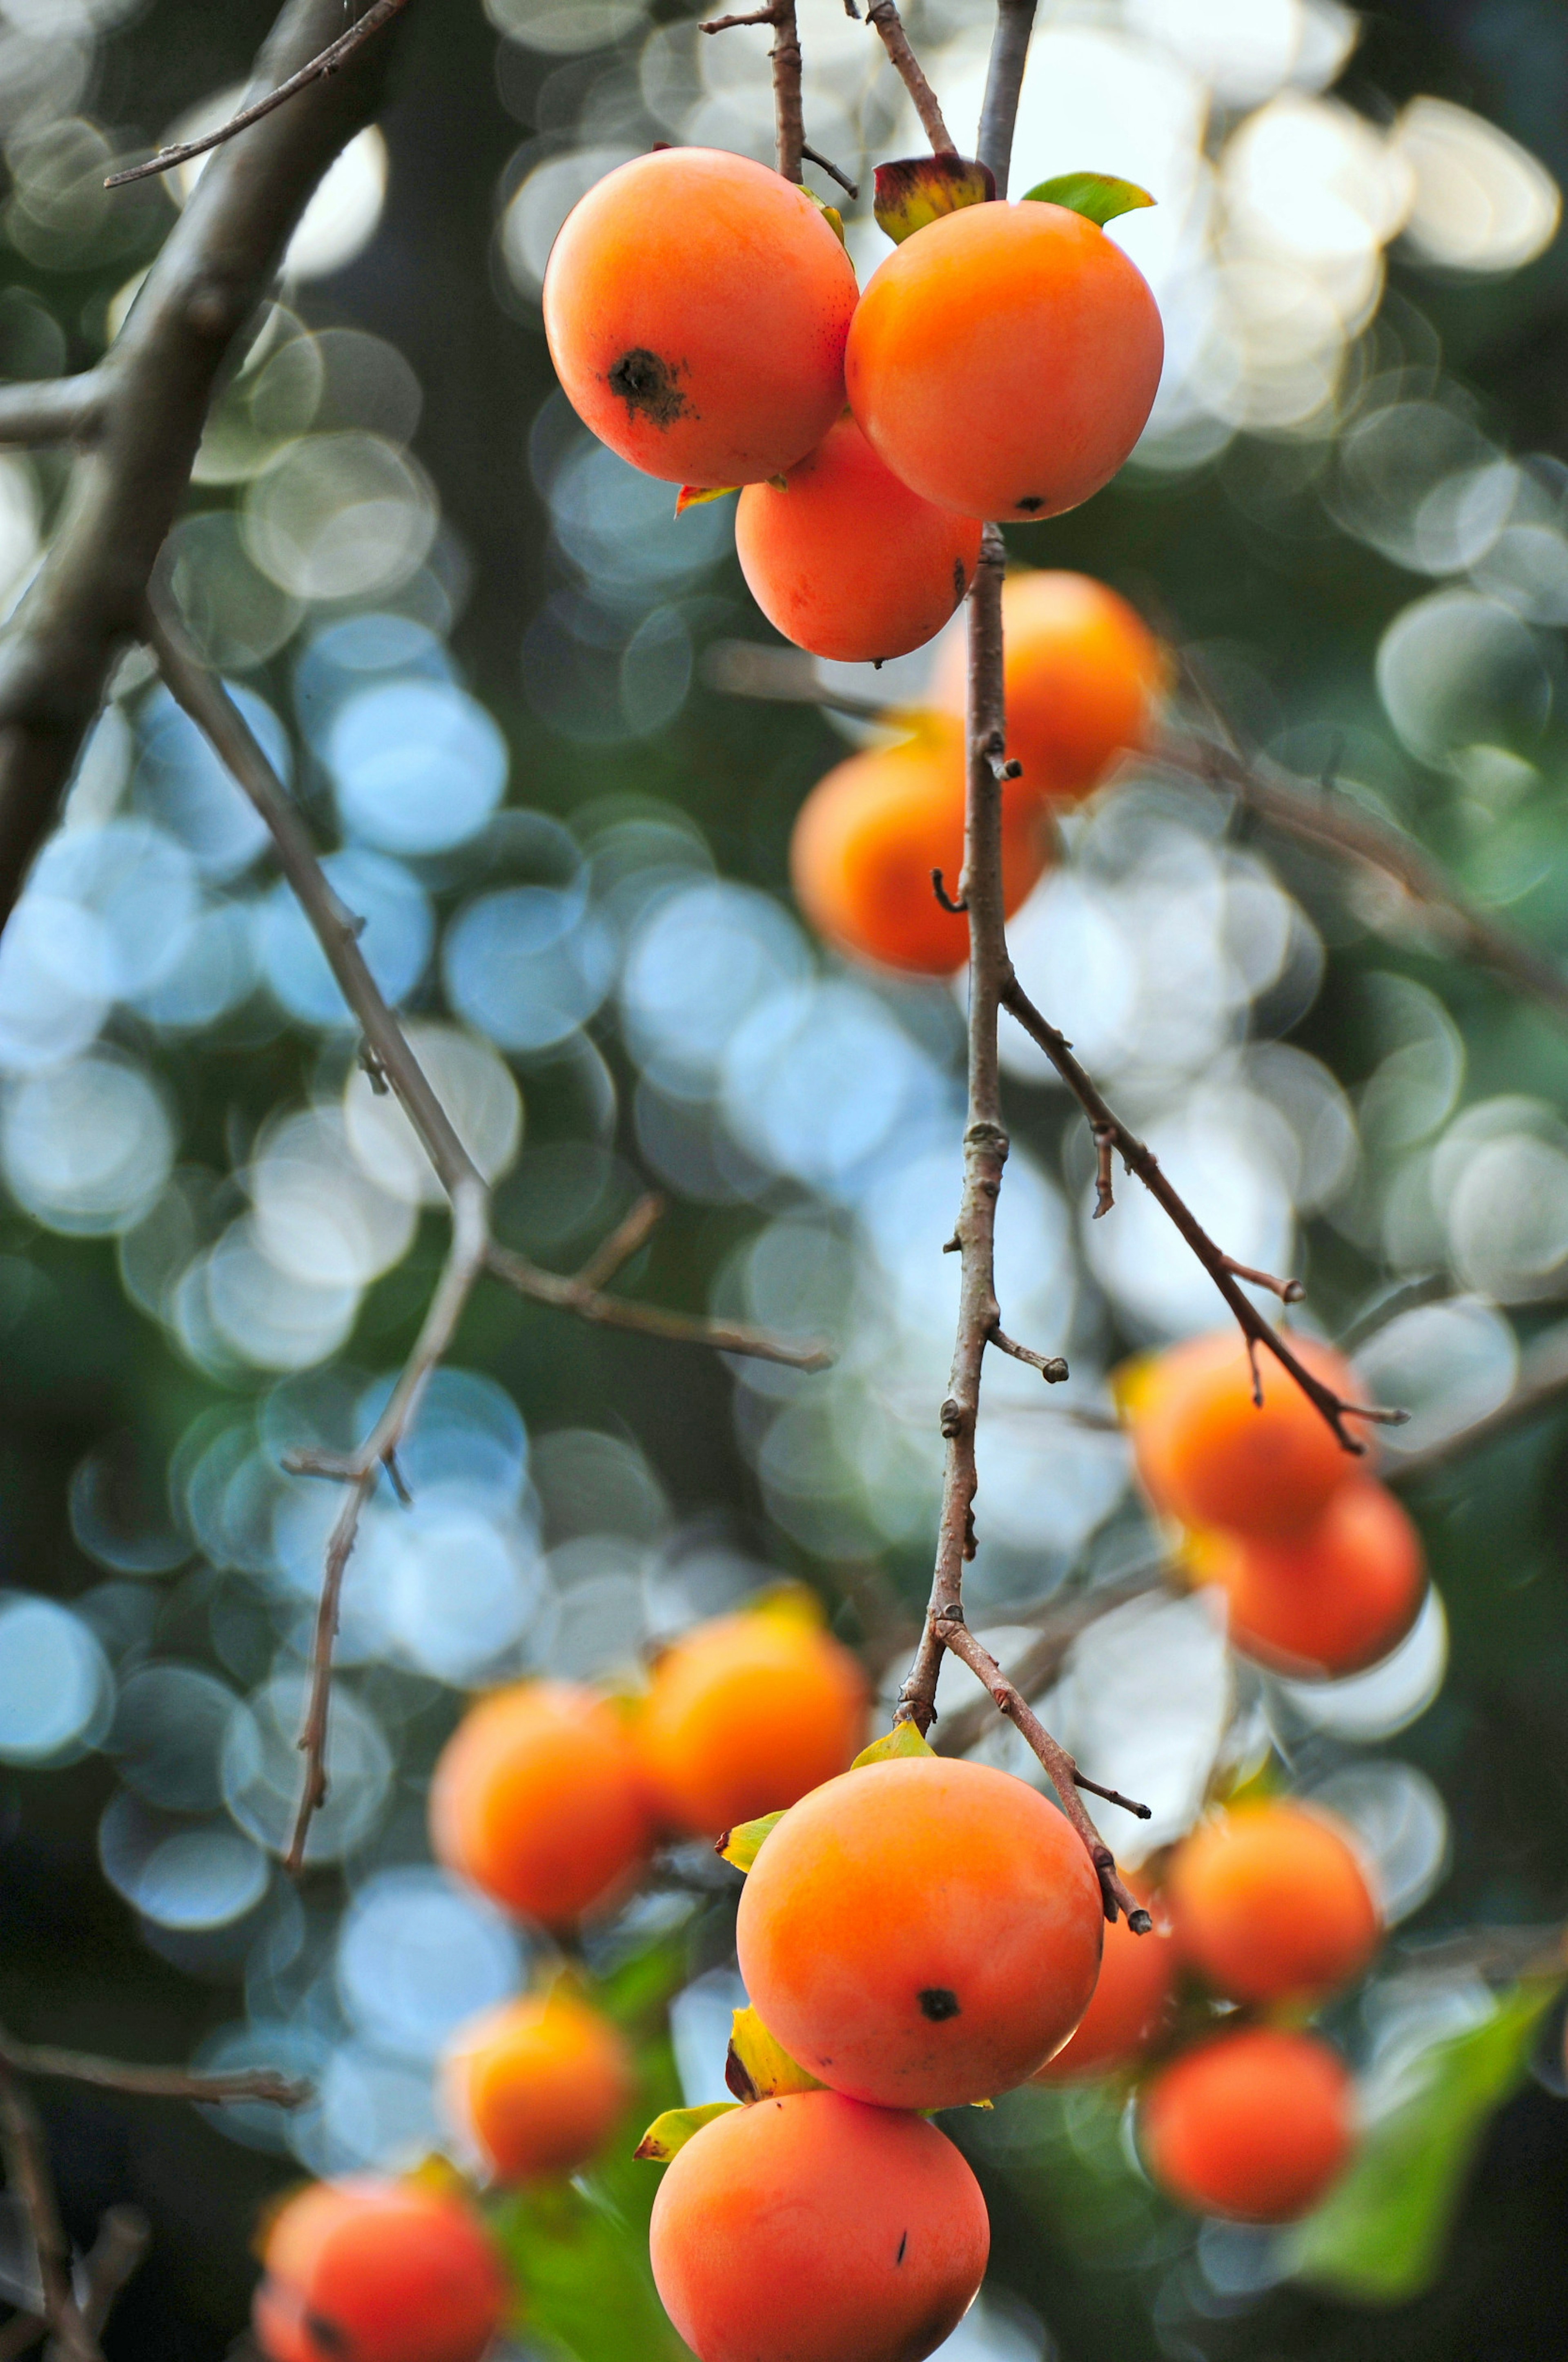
[792, 1604]
[902, 1739]
[691, 496]
[758, 2066]
[742, 1844]
[920, 189]
[671, 2131]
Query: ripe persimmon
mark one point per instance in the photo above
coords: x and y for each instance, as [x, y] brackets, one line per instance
[1083, 678]
[811, 2229]
[1004, 358]
[869, 835]
[1211, 1455]
[538, 2084]
[744, 1715]
[377, 2271]
[1271, 1902]
[844, 559]
[1131, 1999]
[1255, 2125]
[538, 1800]
[921, 1932]
[1331, 1599]
[697, 306]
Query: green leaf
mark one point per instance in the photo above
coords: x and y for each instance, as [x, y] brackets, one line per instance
[669, 2133]
[758, 2067]
[1098, 196]
[902, 1739]
[742, 1844]
[586, 2293]
[1380, 2239]
[830, 214]
[920, 189]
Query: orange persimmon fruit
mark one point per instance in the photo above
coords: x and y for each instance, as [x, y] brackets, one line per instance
[1331, 1599]
[377, 2271]
[743, 1715]
[1130, 2002]
[811, 2229]
[921, 1932]
[869, 835]
[697, 306]
[1004, 358]
[1255, 2125]
[1211, 1455]
[1083, 678]
[538, 2084]
[1271, 1902]
[538, 1800]
[846, 561]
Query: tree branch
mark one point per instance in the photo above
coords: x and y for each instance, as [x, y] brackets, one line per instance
[1003, 81]
[472, 1248]
[251, 2083]
[884, 16]
[328, 62]
[785, 55]
[52, 410]
[32, 2183]
[157, 381]
[1043, 1660]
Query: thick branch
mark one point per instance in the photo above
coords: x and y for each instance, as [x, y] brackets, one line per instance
[1003, 81]
[329, 61]
[884, 16]
[158, 380]
[52, 410]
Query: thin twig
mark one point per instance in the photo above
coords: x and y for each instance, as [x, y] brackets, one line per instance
[785, 56]
[825, 165]
[884, 16]
[1108, 1128]
[336, 54]
[1051, 1366]
[615, 1251]
[122, 2242]
[1003, 81]
[250, 2083]
[32, 2184]
[52, 410]
[472, 1249]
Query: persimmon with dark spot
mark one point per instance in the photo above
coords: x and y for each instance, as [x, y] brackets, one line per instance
[1271, 1902]
[744, 1715]
[1132, 1999]
[1004, 360]
[846, 561]
[920, 1932]
[377, 2271]
[869, 835]
[1255, 2125]
[1209, 1454]
[811, 2229]
[538, 2084]
[1083, 678]
[537, 1799]
[697, 307]
[1330, 1600]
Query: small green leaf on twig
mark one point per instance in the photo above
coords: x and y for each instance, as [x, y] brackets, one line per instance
[758, 2067]
[921, 189]
[902, 1739]
[691, 496]
[1098, 196]
[671, 2131]
[742, 1844]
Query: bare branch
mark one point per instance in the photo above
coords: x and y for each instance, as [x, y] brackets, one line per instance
[653, 1320]
[790, 132]
[1051, 1366]
[884, 16]
[335, 55]
[32, 2184]
[216, 265]
[613, 1253]
[1043, 1660]
[122, 2242]
[52, 410]
[825, 165]
[1003, 81]
[251, 2083]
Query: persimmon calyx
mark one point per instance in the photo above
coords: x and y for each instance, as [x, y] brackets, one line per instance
[917, 190]
[760, 2068]
[740, 1846]
[669, 2133]
[1098, 196]
[691, 496]
[903, 1738]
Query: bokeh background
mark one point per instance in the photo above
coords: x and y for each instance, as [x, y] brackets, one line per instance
[480, 648]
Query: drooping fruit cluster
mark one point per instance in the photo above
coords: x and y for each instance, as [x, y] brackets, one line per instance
[1321, 1568]
[915, 1935]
